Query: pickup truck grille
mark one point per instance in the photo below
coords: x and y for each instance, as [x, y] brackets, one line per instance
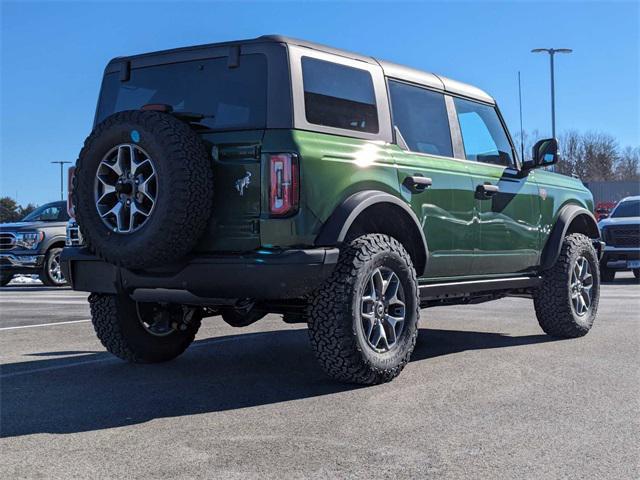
[7, 241]
[623, 236]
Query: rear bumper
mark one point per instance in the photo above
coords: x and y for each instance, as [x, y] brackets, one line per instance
[259, 275]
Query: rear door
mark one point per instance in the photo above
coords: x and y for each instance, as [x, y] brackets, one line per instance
[437, 186]
[506, 201]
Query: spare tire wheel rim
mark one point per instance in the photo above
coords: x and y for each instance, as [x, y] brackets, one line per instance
[126, 188]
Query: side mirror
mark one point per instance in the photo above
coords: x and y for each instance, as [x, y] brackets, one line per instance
[545, 153]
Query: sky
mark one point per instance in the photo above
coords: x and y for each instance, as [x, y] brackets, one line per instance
[52, 55]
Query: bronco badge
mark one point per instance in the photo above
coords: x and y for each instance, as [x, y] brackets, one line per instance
[243, 183]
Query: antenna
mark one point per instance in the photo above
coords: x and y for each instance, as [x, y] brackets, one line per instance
[521, 131]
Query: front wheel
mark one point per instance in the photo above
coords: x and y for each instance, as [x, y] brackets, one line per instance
[143, 332]
[51, 274]
[567, 301]
[636, 273]
[5, 279]
[363, 322]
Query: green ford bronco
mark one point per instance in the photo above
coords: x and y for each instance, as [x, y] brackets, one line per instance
[276, 175]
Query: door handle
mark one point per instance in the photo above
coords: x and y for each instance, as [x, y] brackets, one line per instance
[486, 190]
[417, 184]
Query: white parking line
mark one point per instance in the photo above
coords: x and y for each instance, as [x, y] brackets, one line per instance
[38, 302]
[44, 324]
[39, 295]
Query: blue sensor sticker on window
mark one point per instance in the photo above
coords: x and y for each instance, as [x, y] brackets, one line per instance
[135, 136]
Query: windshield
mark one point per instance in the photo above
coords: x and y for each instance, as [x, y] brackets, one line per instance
[51, 212]
[229, 98]
[630, 208]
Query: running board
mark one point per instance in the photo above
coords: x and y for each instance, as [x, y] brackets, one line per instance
[435, 290]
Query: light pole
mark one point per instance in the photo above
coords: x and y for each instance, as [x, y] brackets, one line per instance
[61, 162]
[552, 52]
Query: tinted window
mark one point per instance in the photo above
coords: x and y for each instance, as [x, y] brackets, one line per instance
[51, 212]
[228, 97]
[421, 117]
[339, 96]
[483, 136]
[630, 208]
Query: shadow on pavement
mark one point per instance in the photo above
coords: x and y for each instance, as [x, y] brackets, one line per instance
[96, 391]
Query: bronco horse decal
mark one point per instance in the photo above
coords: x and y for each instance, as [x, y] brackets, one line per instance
[243, 183]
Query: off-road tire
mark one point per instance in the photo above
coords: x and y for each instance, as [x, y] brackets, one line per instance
[115, 320]
[44, 276]
[333, 313]
[185, 189]
[5, 279]
[607, 274]
[552, 300]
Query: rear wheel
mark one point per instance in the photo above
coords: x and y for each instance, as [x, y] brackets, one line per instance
[143, 332]
[5, 279]
[636, 273]
[363, 322]
[567, 301]
[51, 274]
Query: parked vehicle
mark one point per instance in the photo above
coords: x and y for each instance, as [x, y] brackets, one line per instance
[603, 209]
[621, 232]
[280, 176]
[33, 245]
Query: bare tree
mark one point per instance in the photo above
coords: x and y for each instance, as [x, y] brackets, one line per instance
[590, 156]
[628, 165]
[600, 152]
[571, 158]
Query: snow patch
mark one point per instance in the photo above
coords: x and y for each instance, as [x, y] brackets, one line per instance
[25, 280]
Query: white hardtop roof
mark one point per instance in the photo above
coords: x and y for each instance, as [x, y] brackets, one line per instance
[434, 81]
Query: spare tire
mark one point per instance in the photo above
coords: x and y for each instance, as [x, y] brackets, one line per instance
[143, 189]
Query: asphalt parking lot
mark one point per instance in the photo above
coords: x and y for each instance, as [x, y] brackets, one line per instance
[487, 395]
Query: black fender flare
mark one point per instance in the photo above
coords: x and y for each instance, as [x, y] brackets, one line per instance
[567, 215]
[335, 229]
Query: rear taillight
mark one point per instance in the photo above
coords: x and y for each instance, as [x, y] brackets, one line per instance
[284, 189]
[70, 174]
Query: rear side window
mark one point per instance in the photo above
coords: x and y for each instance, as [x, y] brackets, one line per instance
[229, 98]
[339, 96]
[483, 135]
[421, 117]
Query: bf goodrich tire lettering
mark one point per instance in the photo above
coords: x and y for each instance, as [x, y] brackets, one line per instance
[171, 222]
